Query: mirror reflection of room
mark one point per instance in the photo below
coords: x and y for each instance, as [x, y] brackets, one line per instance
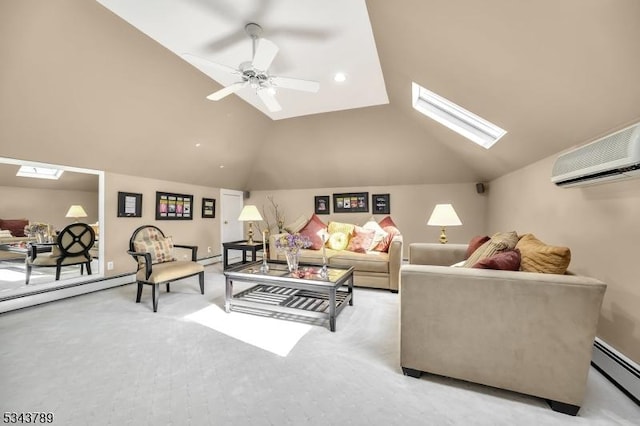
[36, 204]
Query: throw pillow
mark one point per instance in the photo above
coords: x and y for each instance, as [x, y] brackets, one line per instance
[508, 260]
[338, 241]
[297, 225]
[16, 226]
[313, 230]
[361, 240]
[345, 228]
[499, 241]
[160, 248]
[387, 221]
[379, 232]
[391, 231]
[540, 257]
[475, 243]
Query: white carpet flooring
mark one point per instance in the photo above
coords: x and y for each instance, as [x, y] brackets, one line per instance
[102, 359]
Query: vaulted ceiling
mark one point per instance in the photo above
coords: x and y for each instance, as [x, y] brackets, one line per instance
[82, 87]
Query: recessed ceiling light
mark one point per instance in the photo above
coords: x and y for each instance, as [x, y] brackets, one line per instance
[340, 77]
[198, 145]
[453, 116]
[222, 166]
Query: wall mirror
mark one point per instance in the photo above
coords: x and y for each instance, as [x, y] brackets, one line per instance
[45, 204]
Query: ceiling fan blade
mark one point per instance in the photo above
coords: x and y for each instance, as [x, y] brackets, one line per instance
[268, 99]
[216, 96]
[205, 63]
[265, 54]
[296, 84]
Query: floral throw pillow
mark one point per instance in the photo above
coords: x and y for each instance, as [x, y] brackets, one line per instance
[361, 241]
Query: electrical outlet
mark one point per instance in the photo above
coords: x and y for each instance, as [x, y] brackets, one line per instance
[109, 266]
[209, 250]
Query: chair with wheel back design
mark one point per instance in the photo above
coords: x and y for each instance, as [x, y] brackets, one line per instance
[71, 248]
[157, 264]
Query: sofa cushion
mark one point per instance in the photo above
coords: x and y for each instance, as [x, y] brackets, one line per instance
[361, 240]
[363, 262]
[298, 224]
[338, 241]
[379, 232]
[345, 228]
[387, 221]
[475, 243]
[500, 241]
[383, 246]
[16, 226]
[314, 231]
[508, 260]
[540, 257]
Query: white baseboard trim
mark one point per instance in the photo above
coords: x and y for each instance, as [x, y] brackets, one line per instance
[76, 289]
[620, 370]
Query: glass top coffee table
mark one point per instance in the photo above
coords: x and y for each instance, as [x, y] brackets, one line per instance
[306, 293]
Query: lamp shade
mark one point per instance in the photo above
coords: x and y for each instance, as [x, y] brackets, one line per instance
[444, 215]
[76, 211]
[249, 213]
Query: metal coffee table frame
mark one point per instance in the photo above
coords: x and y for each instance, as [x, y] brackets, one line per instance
[280, 291]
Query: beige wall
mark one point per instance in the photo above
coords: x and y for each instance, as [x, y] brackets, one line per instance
[46, 205]
[411, 206]
[117, 230]
[598, 223]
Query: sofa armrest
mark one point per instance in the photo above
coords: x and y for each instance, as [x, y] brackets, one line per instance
[527, 332]
[273, 251]
[395, 261]
[436, 254]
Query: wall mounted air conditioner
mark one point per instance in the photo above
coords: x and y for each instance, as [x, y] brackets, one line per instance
[613, 157]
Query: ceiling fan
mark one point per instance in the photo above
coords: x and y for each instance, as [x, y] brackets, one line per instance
[255, 73]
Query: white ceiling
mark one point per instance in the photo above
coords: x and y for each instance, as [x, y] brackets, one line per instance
[316, 40]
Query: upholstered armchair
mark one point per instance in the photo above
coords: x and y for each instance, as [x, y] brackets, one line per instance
[157, 264]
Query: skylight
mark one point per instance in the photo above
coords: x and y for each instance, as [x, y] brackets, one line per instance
[455, 117]
[39, 172]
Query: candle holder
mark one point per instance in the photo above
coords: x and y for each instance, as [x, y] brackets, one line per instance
[264, 268]
[324, 273]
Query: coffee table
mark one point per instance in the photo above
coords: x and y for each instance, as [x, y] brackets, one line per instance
[278, 290]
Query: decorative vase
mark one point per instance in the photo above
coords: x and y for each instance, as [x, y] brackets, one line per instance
[292, 259]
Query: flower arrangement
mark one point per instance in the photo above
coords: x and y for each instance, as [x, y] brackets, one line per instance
[36, 228]
[292, 242]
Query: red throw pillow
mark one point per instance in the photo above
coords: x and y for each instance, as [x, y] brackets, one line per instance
[362, 239]
[508, 260]
[383, 245]
[475, 243]
[312, 230]
[16, 226]
[387, 222]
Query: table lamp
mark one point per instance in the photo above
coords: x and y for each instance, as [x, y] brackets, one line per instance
[76, 211]
[444, 215]
[250, 213]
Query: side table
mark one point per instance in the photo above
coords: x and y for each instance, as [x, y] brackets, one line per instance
[245, 247]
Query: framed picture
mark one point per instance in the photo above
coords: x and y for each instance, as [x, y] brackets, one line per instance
[129, 204]
[351, 202]
[171, 206]
[208, 207]
[321, 204]
[380, 204]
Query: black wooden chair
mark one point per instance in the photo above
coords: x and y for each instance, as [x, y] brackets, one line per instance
[72, 248]
[156, 263]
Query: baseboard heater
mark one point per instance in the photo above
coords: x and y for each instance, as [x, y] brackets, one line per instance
[620, 370]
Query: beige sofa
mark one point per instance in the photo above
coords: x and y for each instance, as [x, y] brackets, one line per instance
[527, 332]
[371, 269]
